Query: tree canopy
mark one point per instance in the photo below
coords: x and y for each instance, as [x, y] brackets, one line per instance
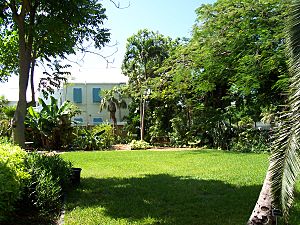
[210, 88]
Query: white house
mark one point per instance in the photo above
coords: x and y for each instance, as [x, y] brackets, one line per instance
[83, 90]
[86, 97]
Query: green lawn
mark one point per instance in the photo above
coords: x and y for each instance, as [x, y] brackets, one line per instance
[203, 187]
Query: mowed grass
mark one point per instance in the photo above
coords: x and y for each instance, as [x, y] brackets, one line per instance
[203, 187]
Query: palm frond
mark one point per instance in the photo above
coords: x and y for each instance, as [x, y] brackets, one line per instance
[285, 159]
[285, 165]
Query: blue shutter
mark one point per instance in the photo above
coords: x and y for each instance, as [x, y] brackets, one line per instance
[77, 95]
[97, 120]
[78, 120]
[96, 95]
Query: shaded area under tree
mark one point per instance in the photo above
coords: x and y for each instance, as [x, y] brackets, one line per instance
[168, 199]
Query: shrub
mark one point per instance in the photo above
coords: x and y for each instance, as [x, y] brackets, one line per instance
[178, 136]
[12, 176]
[106, 135]
[85, 139]
[50, 174]
[48, 194]
[5, 140]
[95, 138]
[251, 140]
[51, 128]
[138, 145]
[53, 164]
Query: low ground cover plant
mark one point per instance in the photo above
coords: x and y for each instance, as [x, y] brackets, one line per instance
[139, 145]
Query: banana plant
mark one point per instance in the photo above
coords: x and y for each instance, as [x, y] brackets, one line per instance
[52, 125]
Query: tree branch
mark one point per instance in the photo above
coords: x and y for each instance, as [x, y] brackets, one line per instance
[104, 57]
[13, 8]
[118, 5]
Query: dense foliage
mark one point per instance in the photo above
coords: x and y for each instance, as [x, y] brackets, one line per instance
[99, 137]
[51, 126]
[145, 53]
[12, 177]
[31, 182]
[215, 88]
[49, 177]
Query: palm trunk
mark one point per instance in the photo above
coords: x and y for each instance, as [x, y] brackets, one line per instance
[114, 119]
[262, 213]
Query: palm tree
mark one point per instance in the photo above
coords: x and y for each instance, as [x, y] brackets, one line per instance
[279, 185]
[111, 103]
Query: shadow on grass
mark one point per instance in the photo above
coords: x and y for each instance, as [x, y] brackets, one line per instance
[169, 199]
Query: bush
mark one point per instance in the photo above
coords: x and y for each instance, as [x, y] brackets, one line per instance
[50, 174]
[138, 145]
[53, 164]
[85, 140]
[51, 127]
[95, 138]
[179, 135]
[106, 135]
[12, 176]
[5, 140]
[252, 140]
[48, 194]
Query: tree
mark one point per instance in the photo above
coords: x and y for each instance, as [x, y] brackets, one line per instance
[49, 28]
[173, 98]
[232, 69]
[145, 52]
[285, 159]
[112, 100]
[241, 53]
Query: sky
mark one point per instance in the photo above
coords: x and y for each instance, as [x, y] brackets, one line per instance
[174, 18]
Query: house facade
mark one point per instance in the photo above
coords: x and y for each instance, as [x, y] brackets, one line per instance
[87, 97]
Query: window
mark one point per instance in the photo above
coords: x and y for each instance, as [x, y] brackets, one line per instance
[96, 95]
[77, 95]
[97, 120]
[78, 120]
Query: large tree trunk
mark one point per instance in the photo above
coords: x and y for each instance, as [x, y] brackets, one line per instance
[25, 47]
[19, 118]
[262, 213]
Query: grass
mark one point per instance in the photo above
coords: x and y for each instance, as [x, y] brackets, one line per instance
[203, 187]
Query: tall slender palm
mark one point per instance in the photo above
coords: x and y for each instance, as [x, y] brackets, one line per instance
[279, 185]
